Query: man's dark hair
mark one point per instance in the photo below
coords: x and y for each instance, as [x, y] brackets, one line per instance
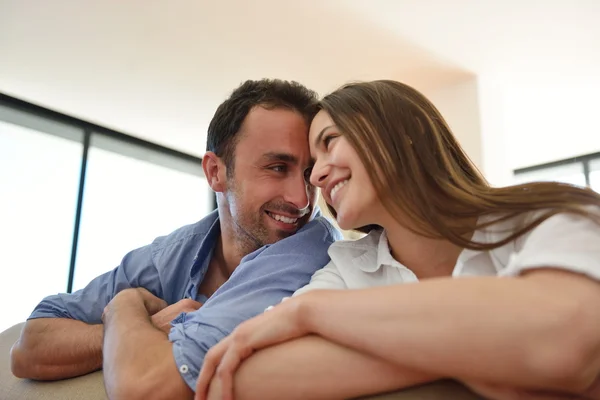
[268, 93]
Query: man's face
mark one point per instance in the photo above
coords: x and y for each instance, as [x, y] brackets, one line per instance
[268, 195]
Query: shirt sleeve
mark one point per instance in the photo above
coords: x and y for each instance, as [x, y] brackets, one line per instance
[136, 270]
[263, 278]
[566, 241]
[326, 278]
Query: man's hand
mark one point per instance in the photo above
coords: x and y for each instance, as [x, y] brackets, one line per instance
[138, 357]
[162, 319]
[152, 304]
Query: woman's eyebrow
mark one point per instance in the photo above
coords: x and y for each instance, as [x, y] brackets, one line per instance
[320, 135]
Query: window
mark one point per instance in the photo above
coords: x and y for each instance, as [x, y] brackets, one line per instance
[39, 177]
[128, 201]
[581, 171]
[569, 173]
[76, 196]
[595, 175]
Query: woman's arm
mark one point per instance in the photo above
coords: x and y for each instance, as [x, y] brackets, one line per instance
[312, 368]
[541, 330]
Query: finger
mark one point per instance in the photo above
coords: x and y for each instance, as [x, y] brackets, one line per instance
[214, 389]
[209, 366]
[162, 303]
[231, 360]
[190, 309]
[224, 376]
[195, 304]
[206, 374]
[189, 303]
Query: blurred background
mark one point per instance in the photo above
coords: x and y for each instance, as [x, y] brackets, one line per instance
[104, 105]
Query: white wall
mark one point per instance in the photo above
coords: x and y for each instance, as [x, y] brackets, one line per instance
[531, 123]
[551, 121]
[494, 144]
[459, 105]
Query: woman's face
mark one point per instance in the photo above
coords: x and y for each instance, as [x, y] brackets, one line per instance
[341, 175]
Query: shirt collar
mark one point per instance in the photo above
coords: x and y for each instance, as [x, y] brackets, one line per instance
[465, 255]
[372, 251]
[384, 256]
[368, 253]
[204, 254]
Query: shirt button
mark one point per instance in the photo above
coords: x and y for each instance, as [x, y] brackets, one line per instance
[268, 308]
[184, 369]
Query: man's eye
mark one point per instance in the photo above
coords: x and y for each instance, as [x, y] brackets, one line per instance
[278, 168]
[307, 173]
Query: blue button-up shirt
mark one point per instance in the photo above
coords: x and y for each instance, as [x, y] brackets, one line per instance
[172, 268]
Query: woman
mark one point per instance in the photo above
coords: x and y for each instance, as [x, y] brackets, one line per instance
[507, 299]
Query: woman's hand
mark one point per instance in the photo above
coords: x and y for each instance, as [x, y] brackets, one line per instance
[280, 324]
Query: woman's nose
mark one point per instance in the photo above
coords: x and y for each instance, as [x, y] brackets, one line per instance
[319, 173]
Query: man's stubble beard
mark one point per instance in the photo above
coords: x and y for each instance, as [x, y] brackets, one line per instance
[250, 230]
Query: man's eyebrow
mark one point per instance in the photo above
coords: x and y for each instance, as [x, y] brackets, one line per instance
[320, 135]
[283, 157]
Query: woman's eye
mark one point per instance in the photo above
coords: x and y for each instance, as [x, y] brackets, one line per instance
[327, 140]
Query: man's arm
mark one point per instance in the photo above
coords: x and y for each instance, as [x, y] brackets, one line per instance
[46, 339]
[138, 357]
[56, 348]
[63, 336]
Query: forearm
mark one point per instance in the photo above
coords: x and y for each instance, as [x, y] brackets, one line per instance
[503, 331]
[312, 368]
[138, 360]
[57, 348]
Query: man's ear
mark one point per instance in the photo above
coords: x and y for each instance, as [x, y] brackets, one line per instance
[215, 171]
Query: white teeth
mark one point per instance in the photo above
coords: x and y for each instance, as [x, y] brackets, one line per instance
[281, 218]
[336, 188]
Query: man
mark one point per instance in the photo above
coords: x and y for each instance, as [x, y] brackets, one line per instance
[150, 321]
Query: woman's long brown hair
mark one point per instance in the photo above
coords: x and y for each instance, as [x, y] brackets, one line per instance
[421, 173]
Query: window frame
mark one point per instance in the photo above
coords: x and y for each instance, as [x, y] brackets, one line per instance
[584, 161]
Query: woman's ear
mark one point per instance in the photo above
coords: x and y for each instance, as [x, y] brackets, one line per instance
[215, 171]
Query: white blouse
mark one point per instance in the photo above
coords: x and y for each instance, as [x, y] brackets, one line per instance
[565, 241]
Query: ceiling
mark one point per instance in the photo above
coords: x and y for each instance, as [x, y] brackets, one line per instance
[158, 69]
[516, 39]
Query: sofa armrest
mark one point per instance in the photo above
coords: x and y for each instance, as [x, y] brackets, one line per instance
[440, 390]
